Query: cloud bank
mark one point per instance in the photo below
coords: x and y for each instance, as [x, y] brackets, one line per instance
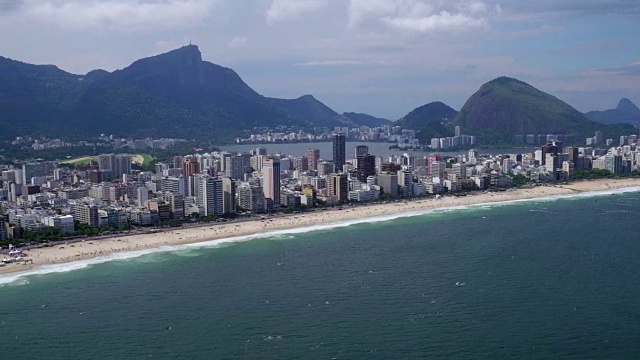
[120, 15]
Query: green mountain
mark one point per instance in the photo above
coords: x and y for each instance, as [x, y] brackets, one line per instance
[625, 113]
[175, 94]
[430, 121]
[311, 110]
[505, 107]
[31, 95]
[366, 120]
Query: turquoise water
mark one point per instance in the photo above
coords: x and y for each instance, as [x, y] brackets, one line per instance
[540, 280]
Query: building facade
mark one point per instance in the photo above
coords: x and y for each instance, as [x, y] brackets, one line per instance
[87, 214]
[313, 156]
[338, 187]
[366, 166]
[271, 180]
[210, 195]
[339, 151]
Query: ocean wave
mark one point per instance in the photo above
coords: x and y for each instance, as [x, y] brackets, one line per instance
[19, 278]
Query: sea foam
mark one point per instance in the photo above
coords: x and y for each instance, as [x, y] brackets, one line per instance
[19, 278]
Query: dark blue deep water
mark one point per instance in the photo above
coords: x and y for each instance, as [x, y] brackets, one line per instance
[537, 280]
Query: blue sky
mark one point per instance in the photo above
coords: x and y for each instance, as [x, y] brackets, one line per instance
[383, 57]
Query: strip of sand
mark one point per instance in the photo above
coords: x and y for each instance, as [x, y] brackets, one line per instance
[98, 248]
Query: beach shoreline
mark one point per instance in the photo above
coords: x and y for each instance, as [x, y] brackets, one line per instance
[141, 244]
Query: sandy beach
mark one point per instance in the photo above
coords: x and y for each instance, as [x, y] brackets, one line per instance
[99, 248]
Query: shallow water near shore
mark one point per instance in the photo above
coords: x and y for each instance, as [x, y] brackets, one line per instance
[17, 278]
[541, 279]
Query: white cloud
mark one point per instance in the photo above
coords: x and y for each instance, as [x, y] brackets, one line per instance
[442, 21]
[419, 15]
[121, 15]
[340, 62]
[474, 8]
[281, 10]
[237, 42]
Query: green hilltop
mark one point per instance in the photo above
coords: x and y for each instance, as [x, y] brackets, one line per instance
[430, 121]
[505, 107]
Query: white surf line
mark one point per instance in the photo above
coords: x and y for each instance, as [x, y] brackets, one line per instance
[125, 255]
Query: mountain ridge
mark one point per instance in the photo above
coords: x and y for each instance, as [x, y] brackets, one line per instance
[626, 112]
[505, 107]
[178, 94]
[171, 94]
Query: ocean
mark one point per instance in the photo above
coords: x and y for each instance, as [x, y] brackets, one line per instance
[546, 279]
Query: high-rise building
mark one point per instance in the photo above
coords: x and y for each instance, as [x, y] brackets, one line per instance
[161, 208]
[190, 167]
[568, 168]
[437, 168]
[41, 169]
[389, 184]
[549, 149]
[366, 167]
[210, 195]
[105, 163]
[143, 196]
[458, 131]
[314, 156]
[87, 214]
[361, 150]
[302, 163]
[325, 168]
[438, 158]
[259, 151]
[552, 162]
[613, 163]
[122, 165]
[598, 138]
[237, 166]
[338, 187]
[176, 185]
[624, 140]
[339, 154]
[178, 161]
[95, 176]
[251, 197]
[114, 166]
[176, 205]
[574, 156]
[229, 195]
[271, 180]
[459, 170]
[560, 145]
[161, 167]
[508, 165]
[256, 162]
[30, 190]
[3, 230]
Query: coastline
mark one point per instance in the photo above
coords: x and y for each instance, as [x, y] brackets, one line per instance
[45, 260]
